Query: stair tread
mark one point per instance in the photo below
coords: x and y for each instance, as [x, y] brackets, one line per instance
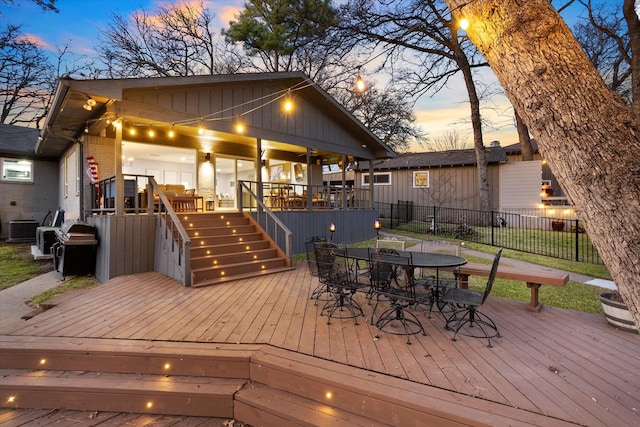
[231, 254]
[105, 382]
[227, 266]
[297, 409]
[241, 276]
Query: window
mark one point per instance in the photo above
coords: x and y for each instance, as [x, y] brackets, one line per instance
[17, 170]
[381, 178]
[420, 179]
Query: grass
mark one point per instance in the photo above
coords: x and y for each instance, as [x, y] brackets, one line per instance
[78, 282]
[17, 264]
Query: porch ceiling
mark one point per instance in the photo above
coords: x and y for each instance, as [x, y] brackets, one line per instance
[168, 103]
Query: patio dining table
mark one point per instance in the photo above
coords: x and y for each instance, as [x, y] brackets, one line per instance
[418, 259]
[428, 260]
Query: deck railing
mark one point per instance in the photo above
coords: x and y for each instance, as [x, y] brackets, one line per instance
[559, 237]
[173, 244]
[286, 196]
[271, 224]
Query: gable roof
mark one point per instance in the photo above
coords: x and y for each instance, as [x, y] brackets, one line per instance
[433, 159]
[18, 141]
[320, 124]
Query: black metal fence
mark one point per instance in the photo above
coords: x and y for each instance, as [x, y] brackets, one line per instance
[554, 237]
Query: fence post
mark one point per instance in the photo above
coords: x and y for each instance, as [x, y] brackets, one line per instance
[576, 235]
[435, 221]
[493, 227]
[391, 216]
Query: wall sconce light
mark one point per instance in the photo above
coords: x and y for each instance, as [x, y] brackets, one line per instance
[207, 157]
[377, 226]
[264, 163]
[332, 229]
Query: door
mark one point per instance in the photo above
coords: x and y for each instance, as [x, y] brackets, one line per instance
[230, 170]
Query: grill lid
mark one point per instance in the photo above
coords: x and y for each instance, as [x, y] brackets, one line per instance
[76, 232]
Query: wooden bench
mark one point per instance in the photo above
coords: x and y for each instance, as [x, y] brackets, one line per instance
[533, 278]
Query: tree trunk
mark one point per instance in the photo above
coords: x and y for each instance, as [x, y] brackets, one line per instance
[633, 24]
[525, 140]
[476, 123]
[585, 131]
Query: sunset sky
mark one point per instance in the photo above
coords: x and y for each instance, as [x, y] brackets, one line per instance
[78, 22]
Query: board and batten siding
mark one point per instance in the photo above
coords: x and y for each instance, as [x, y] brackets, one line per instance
[452, 187]
[351, 225]
[307, 125]
[126, 244]
[520, 184]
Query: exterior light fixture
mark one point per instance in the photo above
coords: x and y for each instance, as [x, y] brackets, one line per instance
[172, 132]
[240, 127]
[207, 157]
[332, 229]
[377, 226]
[360, 84]
[464, 24]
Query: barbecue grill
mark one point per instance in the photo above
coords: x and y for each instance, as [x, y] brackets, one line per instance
[75, 250]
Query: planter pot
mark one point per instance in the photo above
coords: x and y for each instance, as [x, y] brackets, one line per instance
[617, 313]
[557, 225]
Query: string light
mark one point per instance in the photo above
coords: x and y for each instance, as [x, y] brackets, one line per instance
[239, 127]
[360, 84]
[464, 24]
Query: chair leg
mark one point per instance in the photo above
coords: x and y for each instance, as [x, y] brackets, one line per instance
[472, 317]
[398, 313]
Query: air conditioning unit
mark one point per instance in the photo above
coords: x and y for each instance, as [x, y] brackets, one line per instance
[22, 230]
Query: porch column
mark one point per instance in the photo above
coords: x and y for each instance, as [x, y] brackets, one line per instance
[119, 193]
[344, 182]
[309, 189]
[371, 184]
[259, 191]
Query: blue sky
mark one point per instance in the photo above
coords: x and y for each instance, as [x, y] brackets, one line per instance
[78, 22]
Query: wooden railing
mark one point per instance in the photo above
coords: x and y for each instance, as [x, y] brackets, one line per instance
[271, 224]
[173, 245]
[286, 196]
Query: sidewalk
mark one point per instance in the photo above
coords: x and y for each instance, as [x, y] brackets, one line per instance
[13, 301]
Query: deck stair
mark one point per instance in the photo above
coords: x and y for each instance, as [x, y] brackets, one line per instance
[251, 383]
[230, 246]
[122, 376]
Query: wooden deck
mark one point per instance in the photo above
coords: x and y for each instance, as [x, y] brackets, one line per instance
[566, 365]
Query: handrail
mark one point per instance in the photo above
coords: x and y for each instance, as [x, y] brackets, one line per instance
[173, 235]
[278, 226]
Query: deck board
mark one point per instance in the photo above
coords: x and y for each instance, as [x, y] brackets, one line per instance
[597, 383]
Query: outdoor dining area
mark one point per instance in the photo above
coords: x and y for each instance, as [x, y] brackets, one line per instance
[400, 286]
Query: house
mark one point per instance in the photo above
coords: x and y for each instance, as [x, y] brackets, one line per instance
[551, 191]
[225, 142]
[29, 185]
[444, 178]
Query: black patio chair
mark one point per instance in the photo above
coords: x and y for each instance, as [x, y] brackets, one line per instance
[392, 280]
[334, 272]
[322, 291]
[466, 314]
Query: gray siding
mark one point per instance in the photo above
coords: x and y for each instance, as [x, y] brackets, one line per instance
[351, 226]
[453, 187]
[126, 244]
[32, 200]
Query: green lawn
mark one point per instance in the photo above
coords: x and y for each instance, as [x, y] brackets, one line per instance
[17, 264]
[574, 295]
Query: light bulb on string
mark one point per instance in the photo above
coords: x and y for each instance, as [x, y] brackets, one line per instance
[239, 126]
[288, 103]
